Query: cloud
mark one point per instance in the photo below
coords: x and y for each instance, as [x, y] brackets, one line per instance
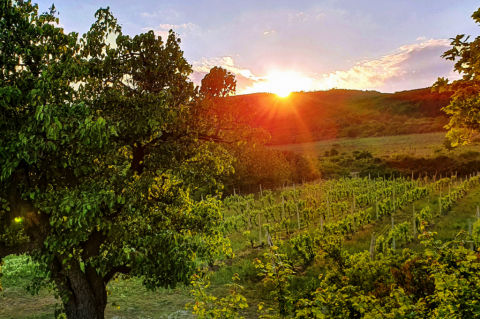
[410, 66]
[226, 62]
[244, 76]
[269, 32]
[163, 29]
[170, 13]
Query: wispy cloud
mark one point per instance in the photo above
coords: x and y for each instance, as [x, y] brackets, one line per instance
[163, 29]
[160, 14]
[269, 32]
[418, 63]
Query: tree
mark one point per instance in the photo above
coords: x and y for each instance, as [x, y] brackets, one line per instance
[102, 147]
[254, 164]
[218, 83]
[464, 107]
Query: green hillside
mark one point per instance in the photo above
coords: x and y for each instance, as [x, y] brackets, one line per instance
[312, 116]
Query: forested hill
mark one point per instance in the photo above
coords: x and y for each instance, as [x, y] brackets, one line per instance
[312, 116]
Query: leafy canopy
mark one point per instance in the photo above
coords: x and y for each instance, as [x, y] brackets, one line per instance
[218, 83]
[464, 107]
[104, 149]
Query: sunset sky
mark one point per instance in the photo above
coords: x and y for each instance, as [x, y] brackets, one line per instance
[384, 45]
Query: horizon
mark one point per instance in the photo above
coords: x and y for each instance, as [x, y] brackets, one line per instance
[332, 89]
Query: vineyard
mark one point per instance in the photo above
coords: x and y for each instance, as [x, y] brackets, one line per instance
[342, 248]
[339, 208]
[301, 228]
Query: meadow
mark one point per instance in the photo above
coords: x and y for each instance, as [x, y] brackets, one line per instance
[415, 145]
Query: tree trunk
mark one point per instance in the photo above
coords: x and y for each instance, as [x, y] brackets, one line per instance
[84, 293]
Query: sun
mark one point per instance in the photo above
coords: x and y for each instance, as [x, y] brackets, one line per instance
[282, 83]
[285, 93]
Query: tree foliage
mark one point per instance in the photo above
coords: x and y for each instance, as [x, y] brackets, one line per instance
[218, 83]
[464, 107]
[103, 144]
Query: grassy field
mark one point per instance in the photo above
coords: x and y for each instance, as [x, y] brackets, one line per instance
[415, 145]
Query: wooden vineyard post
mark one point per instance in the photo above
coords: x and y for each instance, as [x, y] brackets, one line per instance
[470, 234]
[269, 239]
[249, 216]
[440, 202]
[328, 204]
[283, 208]
[414, 223]
[394, 201]
[261, 191]
[234, 193]
[478, 213]
[372, 247]
[393, 239]
[259, 228]
[353, 204]
[430, 191]
[298, 215]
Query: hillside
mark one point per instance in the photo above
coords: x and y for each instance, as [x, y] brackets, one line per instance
[312, 116]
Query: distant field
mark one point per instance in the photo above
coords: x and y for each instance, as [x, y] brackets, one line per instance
[417, 145]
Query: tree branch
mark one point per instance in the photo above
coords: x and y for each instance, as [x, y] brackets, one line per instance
[92, 245]
[119, 269]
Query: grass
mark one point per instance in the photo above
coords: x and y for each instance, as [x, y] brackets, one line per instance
[415, 145]
[459, 217]
[15, 301]
[127, 297]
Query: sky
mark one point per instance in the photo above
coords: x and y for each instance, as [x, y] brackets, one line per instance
[304, 45]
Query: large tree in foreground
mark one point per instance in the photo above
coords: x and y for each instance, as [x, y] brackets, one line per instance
[464, 107]
[102, 144]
